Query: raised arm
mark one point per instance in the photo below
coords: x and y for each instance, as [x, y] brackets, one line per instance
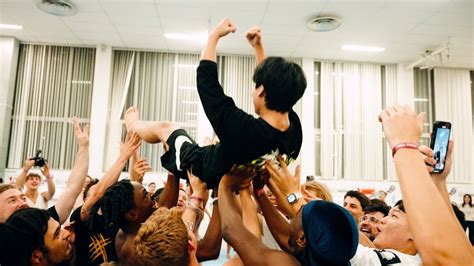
[249, 213]
[254, 36]
[222, 29]
[78, 174]
[21, 178]
[132, 142]
[170, 194]
[250, 250]
[193, 213]
[421, 197]
[210, 245]
[282, 184]
[48, 195]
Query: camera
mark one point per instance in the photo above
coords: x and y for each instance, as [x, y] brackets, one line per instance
[39, 159]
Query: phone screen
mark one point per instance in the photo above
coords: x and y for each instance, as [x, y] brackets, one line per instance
[440, 148]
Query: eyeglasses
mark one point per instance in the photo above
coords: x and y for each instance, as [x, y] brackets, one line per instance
[371, 219]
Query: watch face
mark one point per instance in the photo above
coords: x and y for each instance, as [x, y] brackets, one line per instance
[292, 198]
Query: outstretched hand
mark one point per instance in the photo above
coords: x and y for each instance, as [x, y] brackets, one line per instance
[224, 27]
[140, 168]
[283, 179]
[238, 177]
[45, 171]
[254, 36]
[401, 124]
[81, 134]
[198, 187]
[132, 142]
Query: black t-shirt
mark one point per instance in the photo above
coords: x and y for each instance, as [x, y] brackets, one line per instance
[243, 138]
[54, 214]
[92, 247]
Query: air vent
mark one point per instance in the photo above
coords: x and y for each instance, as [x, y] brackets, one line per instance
[62, 8]
[322, 24]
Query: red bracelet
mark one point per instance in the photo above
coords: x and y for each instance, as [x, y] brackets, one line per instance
[404, 145]
[197, 198]
[260, 192]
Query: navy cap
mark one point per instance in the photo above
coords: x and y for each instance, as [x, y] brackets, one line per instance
[331, 232]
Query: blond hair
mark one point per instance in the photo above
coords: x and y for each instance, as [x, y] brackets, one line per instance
[162, 239]
[320, 189]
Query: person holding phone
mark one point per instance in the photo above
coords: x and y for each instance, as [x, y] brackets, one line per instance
[426, 199]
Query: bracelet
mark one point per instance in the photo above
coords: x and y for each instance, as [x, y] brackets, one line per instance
[197, 198]
[190, 203]
[260, 192]
[404, 145]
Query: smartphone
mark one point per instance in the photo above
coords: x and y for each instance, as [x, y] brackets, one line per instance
[439, 144]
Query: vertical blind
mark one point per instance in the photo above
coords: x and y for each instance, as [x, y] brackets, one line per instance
[453, 86]
[351, 139]
[53, 84]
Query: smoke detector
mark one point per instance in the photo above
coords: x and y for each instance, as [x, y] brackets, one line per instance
[62, 8]
[322, 24]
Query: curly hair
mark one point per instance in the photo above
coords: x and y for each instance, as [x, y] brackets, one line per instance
[162, 239]
[116, 202]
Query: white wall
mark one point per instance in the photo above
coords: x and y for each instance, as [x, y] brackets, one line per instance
[9, 48]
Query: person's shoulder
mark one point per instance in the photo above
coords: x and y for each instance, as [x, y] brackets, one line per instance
[207, 64]
[372, 256]
[76, 215]
[53, 212]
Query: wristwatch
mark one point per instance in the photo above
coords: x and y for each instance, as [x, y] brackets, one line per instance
[292, 198]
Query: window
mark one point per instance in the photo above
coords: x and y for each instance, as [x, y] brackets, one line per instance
[53, 84]
[424, 100]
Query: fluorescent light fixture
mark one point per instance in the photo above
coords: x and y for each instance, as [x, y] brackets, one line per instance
[362, 48]
[420, 99]
[186, 37]
[11, 26]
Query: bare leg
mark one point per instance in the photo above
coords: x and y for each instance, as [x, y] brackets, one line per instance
[150, 132]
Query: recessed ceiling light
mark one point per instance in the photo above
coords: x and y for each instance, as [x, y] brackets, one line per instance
[363, 48]
[62, 8]
[321, 24]
[186, 37]
[11, 26]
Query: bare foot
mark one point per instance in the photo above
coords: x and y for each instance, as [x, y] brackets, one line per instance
[131, 118]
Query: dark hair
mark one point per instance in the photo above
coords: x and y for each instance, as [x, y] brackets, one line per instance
[284, 83]
[30, 175]
[400, 205]
[460, 216]
[22, 234]
[152, 183]
[363, 199]
[383, 208]
[93, 182]
[157, 194]
[470, 200]
[116, 202]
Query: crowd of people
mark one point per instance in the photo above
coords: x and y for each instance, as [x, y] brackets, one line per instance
[243, 185]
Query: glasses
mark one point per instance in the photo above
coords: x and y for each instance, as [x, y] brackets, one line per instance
[371, 219]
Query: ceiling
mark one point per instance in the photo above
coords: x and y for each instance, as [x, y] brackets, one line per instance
[405, 28]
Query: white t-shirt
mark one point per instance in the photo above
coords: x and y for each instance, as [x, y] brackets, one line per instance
[41, 203]
[468, 212]
[375, 257]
